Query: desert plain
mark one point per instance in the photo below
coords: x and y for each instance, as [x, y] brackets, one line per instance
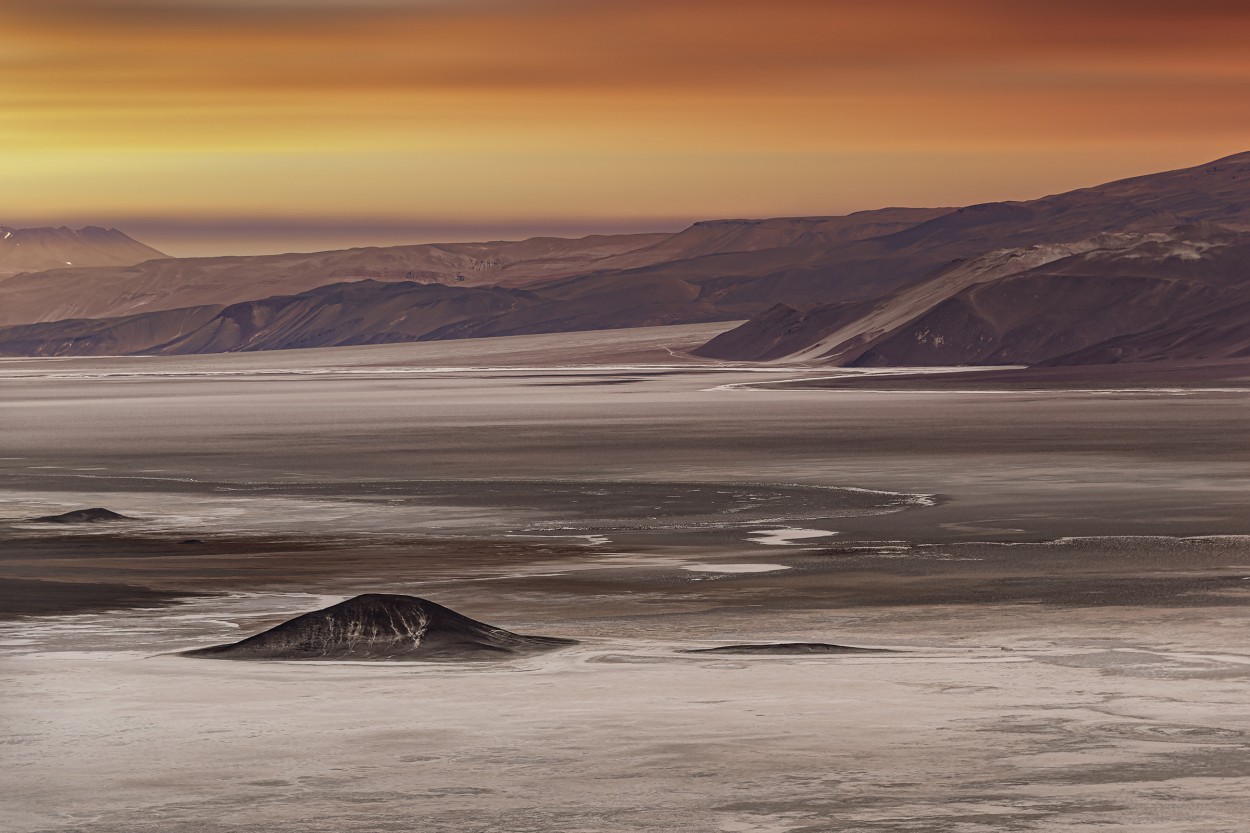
[1059, 566]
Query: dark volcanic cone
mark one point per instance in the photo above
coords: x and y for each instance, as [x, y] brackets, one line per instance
[379, 626]
[82, 516]
[787, 649]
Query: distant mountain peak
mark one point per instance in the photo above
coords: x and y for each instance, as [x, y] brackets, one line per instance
[52, 247]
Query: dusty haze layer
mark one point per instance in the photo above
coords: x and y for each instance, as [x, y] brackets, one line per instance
[1062, 575]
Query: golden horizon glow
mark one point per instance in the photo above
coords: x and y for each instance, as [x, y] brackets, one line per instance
[515, 111]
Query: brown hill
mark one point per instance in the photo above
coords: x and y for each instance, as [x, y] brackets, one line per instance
[836, 333]
[383, 627]
[124, 335]
[1183, 295]
[60, 294]
[1218, 192]
[83, 516]
[192, 282]
[360, 312]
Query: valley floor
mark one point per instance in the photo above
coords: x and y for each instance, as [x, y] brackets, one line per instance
[1063, 568]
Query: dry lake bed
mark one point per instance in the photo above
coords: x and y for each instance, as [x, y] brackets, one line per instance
[1061, 575]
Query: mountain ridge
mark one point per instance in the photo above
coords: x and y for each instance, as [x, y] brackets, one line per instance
[1180, 295]
[866, 288]
[61, 294]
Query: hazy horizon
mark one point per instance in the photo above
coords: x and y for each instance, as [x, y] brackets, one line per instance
[216, 237]
[536, 116]
[222, 235]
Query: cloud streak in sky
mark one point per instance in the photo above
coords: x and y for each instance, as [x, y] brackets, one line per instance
[560, 103]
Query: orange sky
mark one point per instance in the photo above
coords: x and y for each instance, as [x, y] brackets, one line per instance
[255, 125]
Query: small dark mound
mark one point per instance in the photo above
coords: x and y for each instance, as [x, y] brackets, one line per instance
[380, 626]
[83, 516]
[787, 649]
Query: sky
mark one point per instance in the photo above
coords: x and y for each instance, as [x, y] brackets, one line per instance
[241, 126]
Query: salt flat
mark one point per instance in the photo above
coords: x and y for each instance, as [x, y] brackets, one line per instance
[1063, 573]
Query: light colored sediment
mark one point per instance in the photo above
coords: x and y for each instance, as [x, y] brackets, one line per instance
[1072, 529]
